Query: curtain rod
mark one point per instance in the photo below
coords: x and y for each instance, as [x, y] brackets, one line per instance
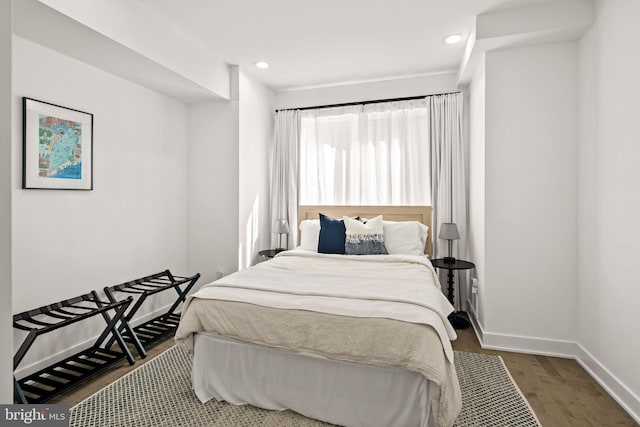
[377, 101]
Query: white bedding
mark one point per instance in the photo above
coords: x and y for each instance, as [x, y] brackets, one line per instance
[297, 302]
[276, 380]
[400, 287]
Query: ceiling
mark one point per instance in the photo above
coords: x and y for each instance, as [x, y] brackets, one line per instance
[327, 42]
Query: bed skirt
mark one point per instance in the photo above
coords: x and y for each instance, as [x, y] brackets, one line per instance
[338, 392]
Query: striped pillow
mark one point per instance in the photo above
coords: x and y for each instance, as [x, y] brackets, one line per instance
[364, 238]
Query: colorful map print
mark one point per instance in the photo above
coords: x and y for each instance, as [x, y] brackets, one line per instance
[60, 148]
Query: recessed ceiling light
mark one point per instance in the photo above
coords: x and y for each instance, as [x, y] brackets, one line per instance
[453, 38]
[261, 64]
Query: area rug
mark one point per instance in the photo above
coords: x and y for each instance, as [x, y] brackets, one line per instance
[159, 394]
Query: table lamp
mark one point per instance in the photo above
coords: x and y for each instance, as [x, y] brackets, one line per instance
[280, 227]
[449, 231]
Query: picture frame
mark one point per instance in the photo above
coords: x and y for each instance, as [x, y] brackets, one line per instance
[57, 149]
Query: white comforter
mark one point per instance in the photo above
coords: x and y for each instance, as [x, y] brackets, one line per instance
[398, 287]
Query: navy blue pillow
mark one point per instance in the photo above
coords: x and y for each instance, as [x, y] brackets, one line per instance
[332, 235]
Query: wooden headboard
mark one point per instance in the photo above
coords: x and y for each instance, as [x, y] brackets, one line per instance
[390, 213]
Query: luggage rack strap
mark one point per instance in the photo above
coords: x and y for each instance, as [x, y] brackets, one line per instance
[23, 320]
[156, 282]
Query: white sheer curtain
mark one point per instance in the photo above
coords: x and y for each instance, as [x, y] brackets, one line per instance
[448, 180]
[284, 174]
[373, 154]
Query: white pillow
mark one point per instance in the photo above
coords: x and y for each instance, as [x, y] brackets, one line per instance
[405, 237]
[364, 239]
[309, 234]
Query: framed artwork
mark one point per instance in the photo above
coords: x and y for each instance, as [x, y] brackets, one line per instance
[57, 147]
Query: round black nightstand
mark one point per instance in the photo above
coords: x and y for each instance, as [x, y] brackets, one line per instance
[456, 320]
[269, 253]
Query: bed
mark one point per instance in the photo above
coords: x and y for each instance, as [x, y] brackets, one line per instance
[354, 340]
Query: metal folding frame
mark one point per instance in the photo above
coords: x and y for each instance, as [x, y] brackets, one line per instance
[43, 385]
[150, 332]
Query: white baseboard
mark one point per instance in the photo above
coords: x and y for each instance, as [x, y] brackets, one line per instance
[628, 400]
[475, 324]
[530, 345]
[22, 372]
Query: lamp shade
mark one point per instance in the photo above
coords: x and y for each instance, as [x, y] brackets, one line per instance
[281, 226]
[449, 231]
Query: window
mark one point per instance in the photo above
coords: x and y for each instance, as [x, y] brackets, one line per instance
[373, 154]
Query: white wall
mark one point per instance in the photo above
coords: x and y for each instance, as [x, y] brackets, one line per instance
[213, 188]
[229, 179]
[609, 200]
[476, 241]
[385, 89]
[530, 192]
[560, 199]
[256, 129]
[133, 223]
[6, 103]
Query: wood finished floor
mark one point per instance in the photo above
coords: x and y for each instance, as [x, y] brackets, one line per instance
[560, 392]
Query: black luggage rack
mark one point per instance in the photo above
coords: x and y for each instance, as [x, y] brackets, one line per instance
[148, 333]
[43, 385]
